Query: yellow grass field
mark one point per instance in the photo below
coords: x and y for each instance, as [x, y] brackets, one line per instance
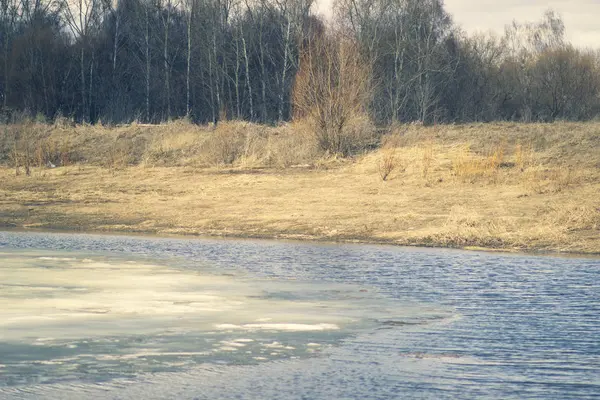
[532, 187]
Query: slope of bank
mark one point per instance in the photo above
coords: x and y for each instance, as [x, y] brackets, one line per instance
[504, 186]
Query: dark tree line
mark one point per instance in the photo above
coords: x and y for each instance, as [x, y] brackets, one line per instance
[427, 70]
[154, 60]
[150, 60]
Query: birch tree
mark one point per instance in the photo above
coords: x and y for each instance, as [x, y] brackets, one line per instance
[83, 18]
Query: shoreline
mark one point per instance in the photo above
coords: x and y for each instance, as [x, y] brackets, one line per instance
[529, 188]
[307, 239]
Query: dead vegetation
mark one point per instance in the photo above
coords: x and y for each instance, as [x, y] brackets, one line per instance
[230, 144]
[332, 92]
[387, 163]
[508, 186]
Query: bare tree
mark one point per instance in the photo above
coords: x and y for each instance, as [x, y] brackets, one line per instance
[165, 10]
[565, 83]
[332, 90]
[8, 17]
[293, 14]
[248, 75]
[190, 10]
[83, 18]
[210, 59]
[430, 30]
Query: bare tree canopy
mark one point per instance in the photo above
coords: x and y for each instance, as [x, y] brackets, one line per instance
[118, 61]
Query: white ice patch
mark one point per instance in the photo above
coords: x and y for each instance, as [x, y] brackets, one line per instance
[105, 311]
[149, 353]
[232, 344]
[49, 362]
[274, 345]
[228, 348]
[57, 258]
[282, 327]
[100, 298]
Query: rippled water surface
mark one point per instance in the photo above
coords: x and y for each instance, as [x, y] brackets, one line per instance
[115, 317]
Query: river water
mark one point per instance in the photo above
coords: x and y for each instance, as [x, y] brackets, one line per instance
[118, 317]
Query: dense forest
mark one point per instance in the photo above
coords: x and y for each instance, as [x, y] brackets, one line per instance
[117, 61]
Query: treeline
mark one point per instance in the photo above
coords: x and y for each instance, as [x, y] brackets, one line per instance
[155, 60]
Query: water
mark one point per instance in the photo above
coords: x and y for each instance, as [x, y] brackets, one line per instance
[95, 316]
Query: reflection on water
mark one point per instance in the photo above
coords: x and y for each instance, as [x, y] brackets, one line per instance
[88, 316]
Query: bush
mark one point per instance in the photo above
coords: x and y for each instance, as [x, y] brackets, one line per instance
[331, 93]
[296, 145]
[223, 147]
[387, 164]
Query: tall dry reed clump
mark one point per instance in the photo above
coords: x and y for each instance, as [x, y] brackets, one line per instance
[469, 166]
[331, 93]
[238, 144]
[29, 144]
[244, 144]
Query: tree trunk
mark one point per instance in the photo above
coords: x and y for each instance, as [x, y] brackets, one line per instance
[166, 63]
[6, 73]
[83, 106]
[114, 106]
[147, 37]
[90, 91]
[45, 87]
[116, 43]
[284, 71]
[248, 83]
[216, 79]
[263, 75]
[189, 61]
[237, 78]
[212, 90]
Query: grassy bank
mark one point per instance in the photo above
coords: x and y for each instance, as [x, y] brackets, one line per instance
[503, 186]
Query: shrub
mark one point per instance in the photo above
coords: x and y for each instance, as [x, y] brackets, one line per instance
[332, 91]
[22, 152]
[223, 148]
[387, 164]
[295, 145]
[119, 154]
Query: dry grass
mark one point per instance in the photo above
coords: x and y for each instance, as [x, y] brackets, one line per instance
[427, 159]
[179, 143]
[387, 163]
[523, 156]
[470, 167]
[544, 195]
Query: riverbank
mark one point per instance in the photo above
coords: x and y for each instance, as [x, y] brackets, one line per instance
[519, 187]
